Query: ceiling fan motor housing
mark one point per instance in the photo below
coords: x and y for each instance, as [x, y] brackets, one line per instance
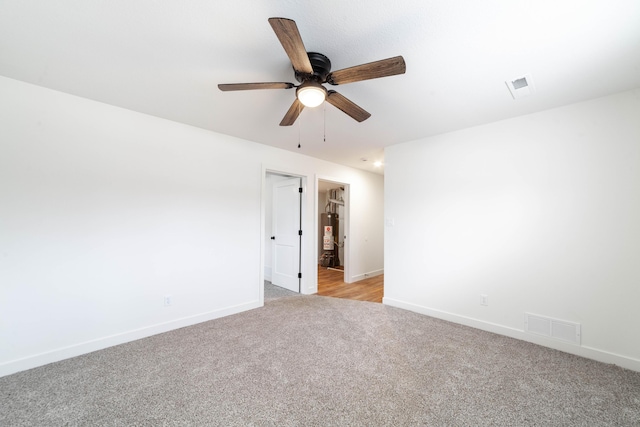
[321, 68]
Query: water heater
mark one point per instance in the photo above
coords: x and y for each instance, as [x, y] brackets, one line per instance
[329, 233]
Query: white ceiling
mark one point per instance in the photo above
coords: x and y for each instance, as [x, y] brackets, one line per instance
[166, 57]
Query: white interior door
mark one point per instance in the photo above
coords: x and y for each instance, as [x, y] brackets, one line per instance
[285, 238]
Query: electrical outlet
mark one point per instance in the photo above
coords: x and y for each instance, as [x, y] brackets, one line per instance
[484, 299]
[168, 300]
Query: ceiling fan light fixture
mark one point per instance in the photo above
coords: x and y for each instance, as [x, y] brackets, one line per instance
[311, 94]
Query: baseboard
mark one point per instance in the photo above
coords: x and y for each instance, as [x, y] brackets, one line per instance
[359, 277]
[267, 273]
[579, 350]
[13, 366]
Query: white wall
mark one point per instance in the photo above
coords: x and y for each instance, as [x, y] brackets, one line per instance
[365, 209]
[104, 211]
[541, 213]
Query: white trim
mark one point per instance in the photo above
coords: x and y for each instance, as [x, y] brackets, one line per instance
[366, 275]
[583, 351]
[29, 362]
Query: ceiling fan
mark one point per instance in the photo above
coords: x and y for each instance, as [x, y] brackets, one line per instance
[312, 69]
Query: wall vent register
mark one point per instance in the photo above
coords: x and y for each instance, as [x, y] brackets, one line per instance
[562, 330]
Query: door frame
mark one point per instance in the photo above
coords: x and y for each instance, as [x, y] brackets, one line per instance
[307, 277]
[346, 219]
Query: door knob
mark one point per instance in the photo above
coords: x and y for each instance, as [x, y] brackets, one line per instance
[273, 237]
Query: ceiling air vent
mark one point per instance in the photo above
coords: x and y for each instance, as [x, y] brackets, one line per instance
[520, 86]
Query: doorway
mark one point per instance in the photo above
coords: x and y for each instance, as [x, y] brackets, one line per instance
[332, 226]
[334, 277]
[283, 231]
[332, 238]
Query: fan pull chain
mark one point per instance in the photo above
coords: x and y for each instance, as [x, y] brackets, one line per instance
[324, 115]
[299, 111]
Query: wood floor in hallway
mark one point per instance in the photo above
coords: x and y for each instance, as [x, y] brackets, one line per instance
[331, 284]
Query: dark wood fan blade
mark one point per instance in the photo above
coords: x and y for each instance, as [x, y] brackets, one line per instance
[372, 70]
[348, 107]
[251, 86]
[289, 36]
[292, 114]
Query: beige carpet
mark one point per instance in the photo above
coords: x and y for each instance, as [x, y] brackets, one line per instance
[318, 361]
